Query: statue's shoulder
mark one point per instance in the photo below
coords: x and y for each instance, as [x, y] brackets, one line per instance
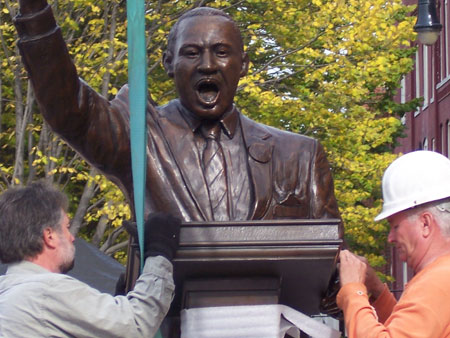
[169, 108]
[123, 95]
[286, 138]
[123, 92]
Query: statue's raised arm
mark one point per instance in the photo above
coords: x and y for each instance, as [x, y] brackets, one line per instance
[96, 128]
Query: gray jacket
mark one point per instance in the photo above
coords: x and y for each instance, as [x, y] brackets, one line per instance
[37, 303]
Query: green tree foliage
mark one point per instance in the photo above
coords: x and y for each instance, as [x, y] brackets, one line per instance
[327, 69]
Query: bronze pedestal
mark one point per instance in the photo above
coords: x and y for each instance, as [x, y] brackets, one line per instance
[288, 262]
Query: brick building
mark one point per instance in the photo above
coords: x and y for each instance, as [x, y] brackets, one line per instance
[428, 128]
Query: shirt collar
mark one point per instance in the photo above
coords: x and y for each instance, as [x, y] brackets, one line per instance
[25, 267]
[228, 121]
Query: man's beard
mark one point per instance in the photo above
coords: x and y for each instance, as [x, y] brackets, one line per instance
[67, 266]
[69, 258]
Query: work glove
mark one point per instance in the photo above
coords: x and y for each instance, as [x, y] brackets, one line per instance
[161, 235]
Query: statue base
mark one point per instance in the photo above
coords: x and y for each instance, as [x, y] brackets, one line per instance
[287, 262]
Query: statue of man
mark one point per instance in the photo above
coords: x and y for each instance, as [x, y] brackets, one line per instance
[206, 161]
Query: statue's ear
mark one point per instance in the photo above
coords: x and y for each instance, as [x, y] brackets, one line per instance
[245, 64]
[168, 64]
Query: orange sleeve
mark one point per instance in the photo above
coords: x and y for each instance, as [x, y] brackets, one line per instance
[421, 312]
[360, 317]
[384, 304]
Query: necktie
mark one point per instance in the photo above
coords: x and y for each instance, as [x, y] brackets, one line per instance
[215, 172]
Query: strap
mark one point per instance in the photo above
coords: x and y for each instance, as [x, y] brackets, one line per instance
[137, 78]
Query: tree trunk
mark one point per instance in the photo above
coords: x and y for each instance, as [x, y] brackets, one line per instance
[88, 193]
[20, 127]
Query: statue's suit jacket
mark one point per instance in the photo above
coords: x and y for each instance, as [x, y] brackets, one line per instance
[289, 172]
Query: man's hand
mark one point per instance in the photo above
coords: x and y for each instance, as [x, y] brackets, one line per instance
[162, 234]
[351, 268]
[373, 283]
[356, 269]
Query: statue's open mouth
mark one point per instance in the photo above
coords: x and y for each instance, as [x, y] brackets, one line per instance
[208, 92]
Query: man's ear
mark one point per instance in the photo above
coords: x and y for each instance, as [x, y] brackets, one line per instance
[245, 64]
[168, 63]
[49, 237]
[428, 224]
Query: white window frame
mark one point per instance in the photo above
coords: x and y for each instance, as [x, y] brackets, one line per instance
[448, 139]
[426, 76]
[417, 112]
[405, 274]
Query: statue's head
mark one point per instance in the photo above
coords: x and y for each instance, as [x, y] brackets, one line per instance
[205, 57]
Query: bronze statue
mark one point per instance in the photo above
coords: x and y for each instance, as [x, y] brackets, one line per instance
[266, 173]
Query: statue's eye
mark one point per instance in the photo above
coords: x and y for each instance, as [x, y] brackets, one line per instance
[190, 52]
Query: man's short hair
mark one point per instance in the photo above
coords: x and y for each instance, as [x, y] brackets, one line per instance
[440, 209]
[199, 11]
[24, 214]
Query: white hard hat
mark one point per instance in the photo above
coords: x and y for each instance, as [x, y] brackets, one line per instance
[413, 179]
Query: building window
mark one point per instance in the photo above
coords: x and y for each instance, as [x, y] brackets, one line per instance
[417, 66]
[403, 90]
[433, 144]
[425, 144]
[426, 76]
[403, 97]
[448, 139]
[445, 42]
[405, 274]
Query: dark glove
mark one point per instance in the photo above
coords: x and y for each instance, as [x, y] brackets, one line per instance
[162, 235]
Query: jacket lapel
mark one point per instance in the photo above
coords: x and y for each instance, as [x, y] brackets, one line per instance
[259, 144]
